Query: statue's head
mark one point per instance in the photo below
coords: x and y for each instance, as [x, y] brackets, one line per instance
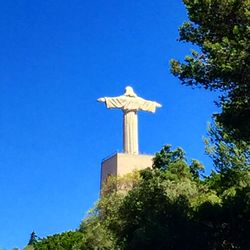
[130, 92]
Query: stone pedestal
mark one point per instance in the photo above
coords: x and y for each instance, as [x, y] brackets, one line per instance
[121, 163]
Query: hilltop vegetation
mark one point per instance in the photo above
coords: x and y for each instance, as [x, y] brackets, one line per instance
[172, 206]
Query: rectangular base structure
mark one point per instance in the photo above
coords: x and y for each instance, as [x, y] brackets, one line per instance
[120, 164]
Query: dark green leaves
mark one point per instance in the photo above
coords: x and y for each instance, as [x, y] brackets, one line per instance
[220, 28]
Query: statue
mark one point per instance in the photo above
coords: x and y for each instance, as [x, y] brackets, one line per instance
[130, 104]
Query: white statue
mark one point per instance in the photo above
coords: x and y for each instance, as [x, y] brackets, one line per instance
[130, 103]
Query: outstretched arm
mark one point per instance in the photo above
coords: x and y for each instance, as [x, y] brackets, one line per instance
[149, 106]
[113, 102]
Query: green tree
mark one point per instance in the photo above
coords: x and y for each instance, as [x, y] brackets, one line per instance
[96, 235]
[156, 212]
[63, 241]
[174, 207]
[33, 239]
[220, 28]
[171, 206]
[231, 160]
[174, 162]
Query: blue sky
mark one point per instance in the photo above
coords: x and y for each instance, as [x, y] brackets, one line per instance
[56, 59]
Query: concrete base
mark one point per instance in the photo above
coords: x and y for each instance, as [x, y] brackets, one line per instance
[120, 164]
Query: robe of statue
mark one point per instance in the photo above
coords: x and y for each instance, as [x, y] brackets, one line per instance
[129, 103]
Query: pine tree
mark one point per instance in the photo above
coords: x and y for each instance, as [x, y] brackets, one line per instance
[33, 239]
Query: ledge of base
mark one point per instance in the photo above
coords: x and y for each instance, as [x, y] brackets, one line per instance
[120, 164]
[126, 155]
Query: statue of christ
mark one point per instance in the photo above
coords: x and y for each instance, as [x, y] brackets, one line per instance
[130, 104]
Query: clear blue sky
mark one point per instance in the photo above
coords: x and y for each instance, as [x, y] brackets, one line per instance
[56, 59]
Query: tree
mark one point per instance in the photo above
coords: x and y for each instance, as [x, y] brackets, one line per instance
[33, 239]
[171, 206]
[157, 212]
[154, 215]
[231, 160]
[63, 241]
[96, 236]
[174, 207]
[174, 162]
[220, 28]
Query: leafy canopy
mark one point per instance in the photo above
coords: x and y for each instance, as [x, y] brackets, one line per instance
[220, 29]
[171, 206]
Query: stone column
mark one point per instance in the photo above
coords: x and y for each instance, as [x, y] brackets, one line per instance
[130, 132]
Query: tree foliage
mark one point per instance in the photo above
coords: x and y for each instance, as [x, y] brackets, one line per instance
[63, 241]
[220, 28]
[231, 159]
[96, 235]
[33, 239]
[171, 206]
